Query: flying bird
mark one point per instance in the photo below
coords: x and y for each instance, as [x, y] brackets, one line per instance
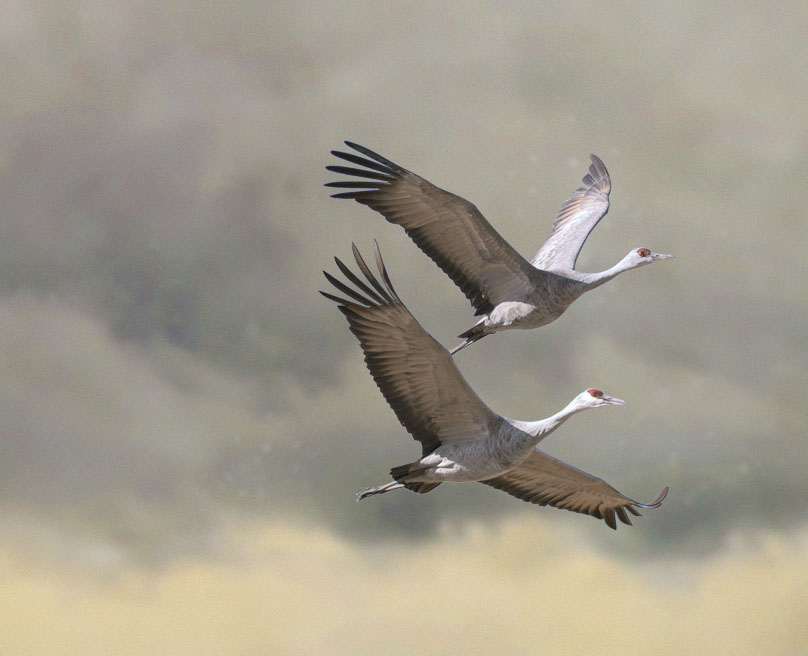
[462, 439]
[509, 291]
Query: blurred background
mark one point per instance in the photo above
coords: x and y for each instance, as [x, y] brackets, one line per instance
[185, 420]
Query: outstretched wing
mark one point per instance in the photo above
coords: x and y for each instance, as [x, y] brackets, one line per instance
[446, 227]
[576, 219]
[545, 480]
[414, 372]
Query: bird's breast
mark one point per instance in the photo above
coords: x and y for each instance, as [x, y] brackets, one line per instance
[478, 460]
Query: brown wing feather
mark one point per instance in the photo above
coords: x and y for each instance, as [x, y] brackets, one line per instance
[446, 227]
[414, 372]
[545, 480]
[576, 219]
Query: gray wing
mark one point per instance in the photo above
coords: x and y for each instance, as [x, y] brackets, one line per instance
[414, 372]
[545, 480]
[446, 227]
[576, 219]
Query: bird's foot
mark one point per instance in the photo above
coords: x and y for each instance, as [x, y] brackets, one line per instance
[379, 489]
[365, 493]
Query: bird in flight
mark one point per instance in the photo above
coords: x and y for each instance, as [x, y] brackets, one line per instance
[509, 291]
[462, 439]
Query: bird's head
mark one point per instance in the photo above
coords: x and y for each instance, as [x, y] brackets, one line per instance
[642, 256]
[594, 398]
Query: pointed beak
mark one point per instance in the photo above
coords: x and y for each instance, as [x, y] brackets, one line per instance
[661, 256]
[612, 400]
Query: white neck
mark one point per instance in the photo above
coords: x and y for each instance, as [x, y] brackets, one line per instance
[538, 430]
[592, 280]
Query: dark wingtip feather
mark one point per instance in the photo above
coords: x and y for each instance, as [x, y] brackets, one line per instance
[383, 270]
[656, 503]
[372, 296]
[368, 163]
[369, 153]
[360, 173]
[360, 262]
[355, 184]
[597, 172]
[341, 302]
[350, 292]
[345, 194]
[621, 513]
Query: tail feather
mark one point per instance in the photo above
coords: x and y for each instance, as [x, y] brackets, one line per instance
[402, 471]
[476, 331]
[421, 488]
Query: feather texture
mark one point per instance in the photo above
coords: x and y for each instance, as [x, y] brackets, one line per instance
[577, 217]
[448, 228]
[416, 375]
[547, 481]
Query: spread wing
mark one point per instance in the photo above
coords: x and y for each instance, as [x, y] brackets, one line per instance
[576, 219]
[446, 227]
[545, 480]
[414, 372]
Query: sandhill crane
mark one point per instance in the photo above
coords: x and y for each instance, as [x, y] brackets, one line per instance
[462, 439]
[503, 286]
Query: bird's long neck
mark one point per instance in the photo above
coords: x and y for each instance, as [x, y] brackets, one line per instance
[538, 430]
[592, 280]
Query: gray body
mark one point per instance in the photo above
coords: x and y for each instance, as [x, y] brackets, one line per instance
[505, 447]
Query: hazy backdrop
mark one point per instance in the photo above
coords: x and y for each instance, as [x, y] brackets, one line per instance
[185, 420]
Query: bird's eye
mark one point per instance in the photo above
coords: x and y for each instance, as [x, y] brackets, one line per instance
[643, 252]
[595, 392]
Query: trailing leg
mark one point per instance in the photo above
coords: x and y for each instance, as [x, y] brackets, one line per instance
[379, 489]
[473, 334]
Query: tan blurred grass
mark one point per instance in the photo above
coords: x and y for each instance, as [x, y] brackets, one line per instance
[516, 590]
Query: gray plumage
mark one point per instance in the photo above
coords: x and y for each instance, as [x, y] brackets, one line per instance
[461, 438]
[577, 217]
[507, 290]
